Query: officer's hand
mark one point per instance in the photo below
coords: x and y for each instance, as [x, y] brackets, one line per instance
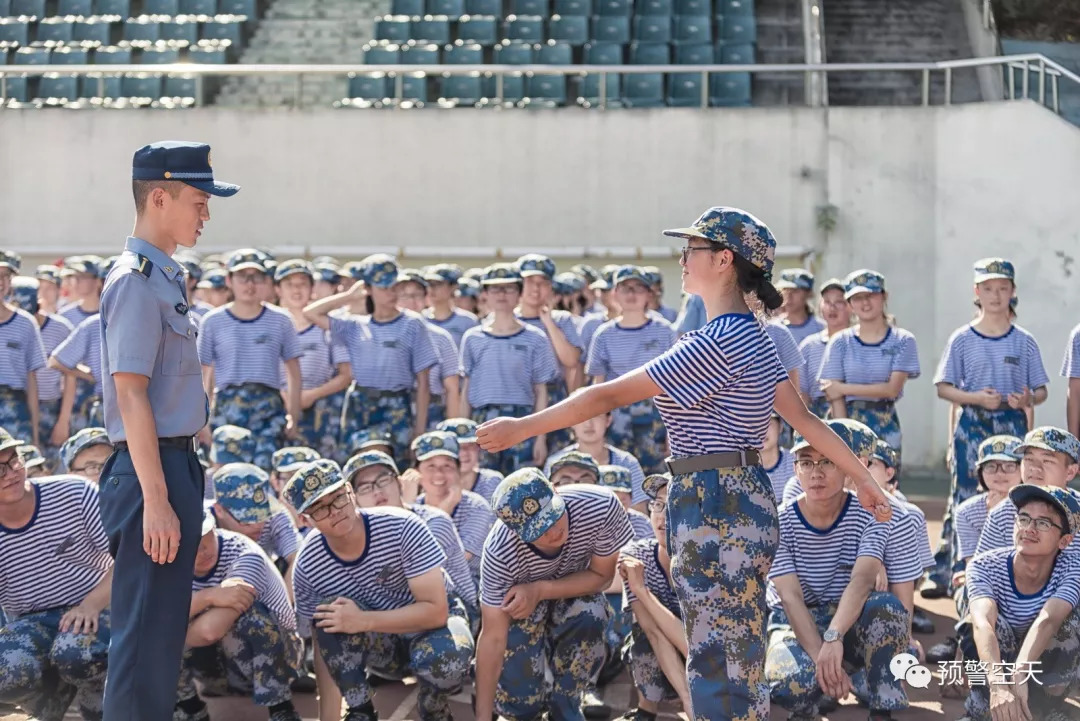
[235, 593]
[499, 434]
[206, 438]
[161, 531]
[342, 615]
[521, 600]
[81, 619]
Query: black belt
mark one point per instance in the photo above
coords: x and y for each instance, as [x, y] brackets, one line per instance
[872, 405]
[711, 461]
[185, 443]
[376, 392]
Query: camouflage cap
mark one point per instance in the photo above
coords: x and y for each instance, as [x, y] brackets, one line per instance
[24, 291]
[191, 265]
[855, 435]
[48, 273]
[11, 260]
[863, 281]
[294, 266]
[81, 264]
[831, 284]
[311, 482]
[578, 459]
[30, 456]
[567, 283]
[654, 482]
[738, 230]
[327, 273]
[443, 273]
[536, 264]
[463, 428]
[243, 490]
[288, 459]
[1050, 438]
[379, 270]
[370, 438]
[476, 274]
[367, 459]
[653, 276]
[213, 279]
[885, 453]
[247, 258]
[79, 442]
[325, 260]
[411, 275]
[796, 279]
[586, 271]
[468, 288]
[8, 441]
[1064, 499]
[630, 272]
[435, 443]
[232, 444]
[501, 274]
[999, 448]
[991, 268]
[615, 478]
[527, 503]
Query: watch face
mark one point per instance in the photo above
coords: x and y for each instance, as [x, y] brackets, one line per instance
[831, 636]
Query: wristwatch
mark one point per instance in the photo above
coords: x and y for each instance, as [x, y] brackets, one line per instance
[831, 635]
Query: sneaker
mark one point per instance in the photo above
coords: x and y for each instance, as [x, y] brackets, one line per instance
[285, 712]
[180, 714]
[921, 623]
[362, 713]
[944, 651]
[593, 707]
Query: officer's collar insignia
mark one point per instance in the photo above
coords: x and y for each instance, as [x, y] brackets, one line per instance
[530, 506]
[181, 308]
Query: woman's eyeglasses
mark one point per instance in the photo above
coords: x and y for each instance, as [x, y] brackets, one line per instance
[691, 248]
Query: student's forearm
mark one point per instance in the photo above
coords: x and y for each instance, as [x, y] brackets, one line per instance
[838, 408]
[949, 392]
[423, 399]
[450, 396]
[1038, 637]
[579, 583]
[671, 660]
[884, 391]
[67, 400]
[666, 622]
[416, 617]
[200, 602]
[851, 602]
[100, 595]
[594, 401]
[490, 652]
[463, 402]
[32, 402]
[1040, 395]
[985, 641]
[802, 624]
[1072, 406]
[318, 312]
[567, 355]
[335, 385]
[210, 627]
[295, 385]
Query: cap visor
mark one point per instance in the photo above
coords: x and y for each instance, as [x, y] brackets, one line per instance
[248, 266]
[322, 494]
[849, 294]
[1026, 491]
[832, 286]
[501, 281]
[291, 468]
[13, 443]
[997, 457]
[440, 452]
[784, 285]
[9, 266]
[1024, 446]
[214, 187]
[529, 273]
[686, 233]
[798, 446]
[468, 439]
[980, 277]
[292, 271]
[34, 463]
[433, 278]
[600, 285]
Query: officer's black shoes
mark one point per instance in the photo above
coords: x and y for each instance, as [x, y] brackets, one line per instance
[921, 623]
[191, 709]
[944, 651]
[593, 707]
[637, 714]
[284, 711]
[362, 713]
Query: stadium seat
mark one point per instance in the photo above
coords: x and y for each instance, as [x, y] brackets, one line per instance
[207, 56]
[179, 87]
[74, 8]
[414, 89]
[545, 90]
[180, 34]
[431, 29]
[576, 8]
[55, 88]
[226, 34]
[693, 29]
[509, 53]
[735, 8]
[643, 90]
[5, 10]
[554, 53]
[167, 8]
[735, 54]
[91, 33]
[159, 56]
[738, 30]
[479, 29]
[420, 55]
[28, 9]
[112, 56]
[369, 89]
[141, 33]
[114, 9]
[382, 54]
[530, 7]
[18, 88]
[54, 31]
[514, 53]
[600, 54]
[484, 7]
[527, 28]
[611, 29]
[14, 33]
[452, 9]
[70, 56]
[694, 54]
[729, 89]
[244, 8]
[652, 29]
[32, 56]
[392, 27]
[407, 7]
[143, 87]
[102, 85]
[693, 7]
[455, 90]
[463, 54]
[414, 85]
[614, 8]
[573, 29]
[199, 8]
[650, 54]
[653, 7]
[684, 90]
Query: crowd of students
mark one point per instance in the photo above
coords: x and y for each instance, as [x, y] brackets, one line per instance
[356, 531]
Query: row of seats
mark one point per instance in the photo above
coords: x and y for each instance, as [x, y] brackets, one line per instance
[30, 10]
[140, 32]
[556, 53]
[112, 56]
[583, 8]
[573, 29]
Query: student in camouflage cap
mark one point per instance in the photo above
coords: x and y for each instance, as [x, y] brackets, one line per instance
[35, 464]
[573, 467]
[286, 461]
[443, 280]
[213, 288]
[85, 453]
[231, 444]
[481, 481]
[796, 285]
[370, 439]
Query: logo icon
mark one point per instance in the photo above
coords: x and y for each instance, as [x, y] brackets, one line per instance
[905, 667]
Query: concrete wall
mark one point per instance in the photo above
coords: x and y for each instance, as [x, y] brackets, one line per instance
[920, 194]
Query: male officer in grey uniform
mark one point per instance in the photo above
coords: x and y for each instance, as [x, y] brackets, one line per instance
[152, 486]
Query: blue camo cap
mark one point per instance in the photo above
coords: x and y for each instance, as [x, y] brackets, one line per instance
[232, 444]
[577, 459]
[365, 438]
[11, 260]
[80, 442]
[991, 268]
[328, 273]
[443, 273]
[1063, 499]
[653, 276]
[378, 271]
[654, 482]
[567, 283]
[630, 272]
[295, 266]
[290, 458]
[243, 490]
[367, 459]
[30, 456]
[863, 281]
[191, 265]
[536, 264]
[885, 453]
[179, 160]
[48, 273]
[796, 279]
[1050, 438]
[615, 478]
[527, 503]
[468, 288]
[311, 482]
[81, 264]
[8, 441]
[501, 274]
[435, 443]
[857, 436]
[247, 258]
[24, 292]
[738, 230]
[463, 428]
[213, 279]
[999, 448]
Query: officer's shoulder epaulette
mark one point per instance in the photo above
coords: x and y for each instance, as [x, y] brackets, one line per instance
[143, 265]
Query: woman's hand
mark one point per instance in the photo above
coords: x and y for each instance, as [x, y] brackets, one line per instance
[499, 434]
[873, 499]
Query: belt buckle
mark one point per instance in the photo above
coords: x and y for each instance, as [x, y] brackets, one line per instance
[742, 457]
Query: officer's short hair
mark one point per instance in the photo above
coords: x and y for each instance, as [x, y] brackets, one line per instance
[141, 189]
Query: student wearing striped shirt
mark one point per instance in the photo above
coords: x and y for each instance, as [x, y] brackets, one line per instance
[715, 390]
[622, 345]
[390, 354]
[324, 368]
[55, 591]
[377, 483]
[371, 590]
[444, 378]
[85, 454]
[778, 463]
[78, 359]
[241, 628]
[1070, 369]
[546, 564]
[22, 354]
[787, 349]
[506, 364]
[617, 480]
[242, 346]
[481, 481]
[442, 282]
[837, 317]
[796, 285]
[82, 276]
[1023, 608]
[657, 649]
[655, 281]
[436, 454]
[48, 295]
[607, 309]
[33, 461]
[214, 288]
[993, 370]
[572, 468]
[825, 606]
[327, 280]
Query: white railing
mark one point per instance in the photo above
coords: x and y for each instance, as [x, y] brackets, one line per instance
[1047, 73]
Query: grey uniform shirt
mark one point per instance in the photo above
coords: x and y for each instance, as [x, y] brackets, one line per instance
[144, 332]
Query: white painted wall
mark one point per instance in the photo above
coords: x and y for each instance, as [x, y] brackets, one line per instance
[921, 193]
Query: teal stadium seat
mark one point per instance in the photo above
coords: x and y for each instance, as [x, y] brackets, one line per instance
[207, 56]
[199, 8]
[693, 29]
[644, 90]
[113, 9]
[479, 29]
[159, 56]
[573, 29]
[549, 90]
[653, 7]
[382, 54]
[227, 34]
[738, 29]
[526, 28]
[407, 7]
[650, 54]
[14, 33]
[92, 33]
[168, 8]
[104, 85]
[463, 54]
[457, 90]
[684, 89]
[729, 90]
[5, 10]
[452, 9]
[141, 33]
[611, 29]
[70, 56]
[18, 87]
[28, 9]
[74, 8]
[366, 90]
[693, 7]
[510, 53]
[574, 8]
[735, 54]
[244, 8]
[614, 8]
[180, 33]
[142, 88]
[530, 7]
[54, 31]
[735, 8]
[430, 29]
[395, 28]
[484, 7]
[601, 54]
[652, 28]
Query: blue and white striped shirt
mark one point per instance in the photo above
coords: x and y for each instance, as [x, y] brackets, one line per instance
[641, 524]
[473, 519]
[990, 575]
[75, 315]
[486, 482]
[53, 332]
[83, 346]
[792, 490]
[317, 365]
[809, 327]
[588, 326]
[616, 457]
[781, 473]
[456, 565]
[1008, 363]
[247, 351]
[905, 552]
[970, 519]
[279, 537]
[813, 352]
[502, 370]
[851, 360]
[787, 348]
[718, 385]
[60, 555]
[564, 321]
[385, 356]
[648, 552]
[399, 547]
[997, 532]
[458, 322]
[21, 349]
[616, 351]
[240, 557]
[922, 534]
[447, 353]
[1070, 364]
[599, 526]
[668, 314]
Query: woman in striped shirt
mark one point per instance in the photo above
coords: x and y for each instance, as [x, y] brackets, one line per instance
[837, 316]
[795, 285]
[715, 390]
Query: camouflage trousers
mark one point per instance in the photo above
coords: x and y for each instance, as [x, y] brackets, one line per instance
[556, 392]
[256, 656]
[722, 534]
[379, 411]
[43, 669]
[1058, 666]
[436, 413]
[320, 425]
[440, 659]
[819, 407]
[87, 412]
[974, 426]
[48, 413]
[616, 633]
[879, 634]
[15, 414]
[649, 679]
[256, 407]
[882, 420]
[639, 430]
[508, 461]
[551, 659]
